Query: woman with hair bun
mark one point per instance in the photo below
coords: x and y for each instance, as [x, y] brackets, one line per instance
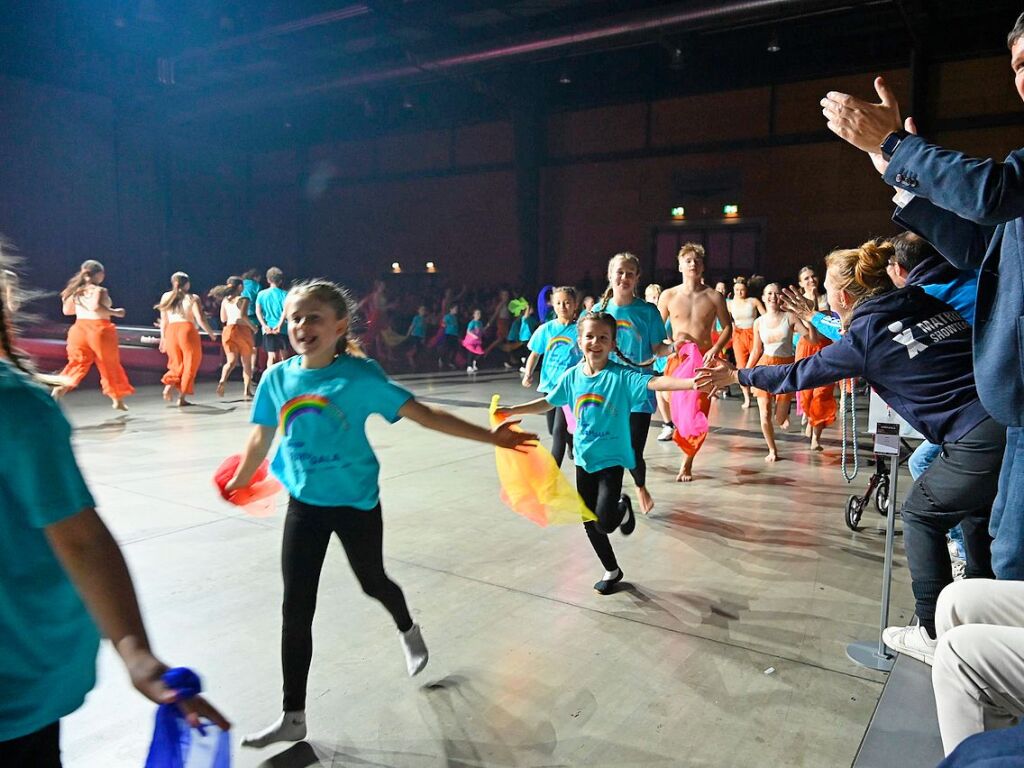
[915, 351]
[93, 338]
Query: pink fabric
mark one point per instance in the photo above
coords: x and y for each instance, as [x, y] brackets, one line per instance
[473, 343]
[570, 420]
[689, 419]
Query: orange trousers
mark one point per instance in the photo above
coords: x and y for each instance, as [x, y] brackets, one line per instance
[237, 339]
[742, 343]
[184, 353]
[818, 404]
[95, 341]
[781, 401]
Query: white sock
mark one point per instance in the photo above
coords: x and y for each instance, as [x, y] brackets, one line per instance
[290, 726]
[609, 575]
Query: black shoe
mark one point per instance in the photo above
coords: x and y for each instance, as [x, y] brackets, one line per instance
[607, 586]
[628, 524]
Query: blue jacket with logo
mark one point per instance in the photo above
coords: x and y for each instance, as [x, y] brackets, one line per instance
[972, 211]
[913, 349]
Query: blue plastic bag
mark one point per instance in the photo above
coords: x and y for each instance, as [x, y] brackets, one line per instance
[176, 744]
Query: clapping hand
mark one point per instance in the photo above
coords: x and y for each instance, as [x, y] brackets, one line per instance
[792, 300]
[862, 123]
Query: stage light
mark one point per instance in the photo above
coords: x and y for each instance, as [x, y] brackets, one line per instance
[564, 78]
[773, 44]
[679, 213]
[431, 267]
[730, 210]
[676, 62]
[396, 268]
[406, 102]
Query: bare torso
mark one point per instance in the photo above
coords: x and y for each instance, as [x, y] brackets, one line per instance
[692, 312]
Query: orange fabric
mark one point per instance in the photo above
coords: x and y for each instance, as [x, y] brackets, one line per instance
[783, 400]
[184, 353]
[95, 341]
[742, 343]
[818, 404]
[238, 338]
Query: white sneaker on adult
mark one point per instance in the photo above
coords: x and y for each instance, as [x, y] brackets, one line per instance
[415, 649]
[666, 433]
[911, 641]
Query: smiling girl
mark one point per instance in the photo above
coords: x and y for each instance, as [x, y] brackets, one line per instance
[318, 403]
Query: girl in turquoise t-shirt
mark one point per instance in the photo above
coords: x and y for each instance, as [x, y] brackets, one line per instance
[318, 402]
[641, 335]
[555, 345]
[602, 394]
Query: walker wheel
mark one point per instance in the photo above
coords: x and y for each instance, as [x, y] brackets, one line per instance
[882, 497]
[854, 510]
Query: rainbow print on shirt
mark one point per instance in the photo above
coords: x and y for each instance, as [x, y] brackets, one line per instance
[297, 406]
[556, 341]
[587, 400]
[624, 325]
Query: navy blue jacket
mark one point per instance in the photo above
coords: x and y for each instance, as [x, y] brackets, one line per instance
[913, 349]
[971, 210]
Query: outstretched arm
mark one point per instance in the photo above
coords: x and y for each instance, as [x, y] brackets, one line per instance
[440, 420]
[540, 405]
[95, 565]
[256, 449]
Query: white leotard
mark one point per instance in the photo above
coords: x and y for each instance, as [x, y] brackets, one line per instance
[743, 312]
[777, 338]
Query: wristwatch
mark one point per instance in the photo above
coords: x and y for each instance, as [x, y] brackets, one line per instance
[889, 144]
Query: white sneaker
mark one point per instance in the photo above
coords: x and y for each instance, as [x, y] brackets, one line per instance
[911, 641]
[666, 433]
[416, 654]
[470, 369]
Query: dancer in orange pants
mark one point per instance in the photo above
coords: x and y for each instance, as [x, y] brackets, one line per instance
[744, 310]
[818, 404]
[238, 337]
[93, 338]
[180, 313]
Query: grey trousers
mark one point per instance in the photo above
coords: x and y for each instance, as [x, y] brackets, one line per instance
[978, 672]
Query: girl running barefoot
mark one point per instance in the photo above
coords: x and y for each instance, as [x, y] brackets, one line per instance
[744, 310]
[318, 402]
[556, 344]
[604, 396]
[180, 312]
[93, 338]
[641, 337]
[773, 345]
[238, 336]
[818, 404]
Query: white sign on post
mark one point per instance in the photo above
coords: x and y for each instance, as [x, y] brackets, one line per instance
[887, 439]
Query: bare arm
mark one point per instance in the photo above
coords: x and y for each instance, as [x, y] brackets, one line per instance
[756, 349]
[263, 322]
[256, 449]
[439, 420]
[94, 563]
[200, 316]
[669, 384]
[725, 320]
[163, 328]
[531, 363]
[68, 305]
[759, 307]
[540, 405]
[663, 304]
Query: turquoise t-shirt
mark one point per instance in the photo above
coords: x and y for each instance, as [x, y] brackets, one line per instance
[451, 325]
[417, 328]
[601, 405]
[48, 641]
[527, 325]
[662, 362]
[640, 329]
[250, 290]
[323, 457]
[475, 327]
[557, 342]
[271, 303]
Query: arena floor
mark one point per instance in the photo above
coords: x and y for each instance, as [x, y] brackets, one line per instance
[725, 647]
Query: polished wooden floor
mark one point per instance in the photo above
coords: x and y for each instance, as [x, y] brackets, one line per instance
[726, 646]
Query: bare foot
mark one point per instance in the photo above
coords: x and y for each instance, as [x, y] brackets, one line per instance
[771, 457]
[119, 404]
[58, 392]
[167, 392]
[784, 425]
[220, 389]
[646, 502]
[685, 476]
[816, 446]
[182, 402]
[746, 404]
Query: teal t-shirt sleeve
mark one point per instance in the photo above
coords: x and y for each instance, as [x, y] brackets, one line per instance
[40, 470]
[539, 339]
[637, 383]
[385, 396]
[655, 329]
[561, 393]
[264, 412]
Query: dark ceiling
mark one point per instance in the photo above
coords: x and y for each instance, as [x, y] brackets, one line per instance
[298, 70]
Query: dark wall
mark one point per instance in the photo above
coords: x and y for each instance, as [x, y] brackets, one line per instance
[79, 180]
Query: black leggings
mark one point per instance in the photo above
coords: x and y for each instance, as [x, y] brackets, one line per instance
[558, 428]
[600, 491]
[307, 532]
[40, 749]
[639, 427]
